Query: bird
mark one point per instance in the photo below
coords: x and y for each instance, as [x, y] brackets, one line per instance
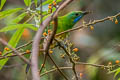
[66, 22]
[69, 20]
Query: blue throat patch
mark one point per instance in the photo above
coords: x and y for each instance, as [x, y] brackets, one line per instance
[77, 19]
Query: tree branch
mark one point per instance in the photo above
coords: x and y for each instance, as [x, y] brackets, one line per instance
[95, 65]
[14, 55]
[88, 24]
[52, 70]
[70, 58]
[37, 39]
[30, 42]
[17, 52]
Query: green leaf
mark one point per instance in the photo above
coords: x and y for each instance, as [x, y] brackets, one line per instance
[116, 71]
[19, 18]
[27, 2]
[113, 71]
[6, 13]
[118, 78]
[47, 2]
[35, 2]
[57, 1]
[17, 26]
[15, 39]
[2, 4]
[13, 42]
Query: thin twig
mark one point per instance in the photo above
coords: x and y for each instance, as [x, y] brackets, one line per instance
[17, 52]
[45, 58]
[28, 20]
[57, 67]
[77, 63]
[14, 55]
[95, 65]
[70, 58]
[26, 44]
[52, 70]
[13, 65]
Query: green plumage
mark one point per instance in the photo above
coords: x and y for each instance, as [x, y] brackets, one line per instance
[69, 20]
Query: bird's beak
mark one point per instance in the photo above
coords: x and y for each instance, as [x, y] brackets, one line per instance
[86, 12]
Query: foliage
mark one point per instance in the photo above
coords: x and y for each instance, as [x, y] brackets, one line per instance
[2, 4]
[17, 25]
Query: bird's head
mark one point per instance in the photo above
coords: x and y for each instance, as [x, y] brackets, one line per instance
[75, 16]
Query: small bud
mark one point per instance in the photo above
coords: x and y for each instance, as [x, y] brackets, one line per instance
[7, 49]
[49, 31]
[109, 63]
[81, 75]
[54, 4]
[117, 61]
[75, 49]
[0, 53]
[44, 34]
[42, 65]
[27, 51]
[62, 55]
[91, 27]
[116, 21]
[50, 7]
[50, 51]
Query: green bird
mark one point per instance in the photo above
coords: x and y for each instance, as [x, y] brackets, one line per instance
[69, 20]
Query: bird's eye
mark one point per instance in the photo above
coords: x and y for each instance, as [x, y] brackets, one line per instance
[76, 14]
